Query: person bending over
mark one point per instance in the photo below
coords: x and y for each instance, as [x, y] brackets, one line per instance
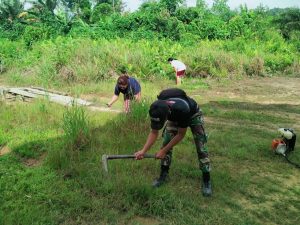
[130, 88]
[179, 68]
[178, 111]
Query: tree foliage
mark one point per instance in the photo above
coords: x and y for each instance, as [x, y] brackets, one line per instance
[171, 5]
[221, 8]
[170, 19]
[288, 22]
[42, 5]
[10, 10]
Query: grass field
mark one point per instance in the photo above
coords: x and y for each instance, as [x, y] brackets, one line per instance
[50, 161]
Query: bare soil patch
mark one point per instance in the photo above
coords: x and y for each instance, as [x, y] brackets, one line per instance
[265, 90]
[4, 150]
[31, 162]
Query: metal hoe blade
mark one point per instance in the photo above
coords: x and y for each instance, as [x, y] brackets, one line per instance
[104, 163]
[105, 159]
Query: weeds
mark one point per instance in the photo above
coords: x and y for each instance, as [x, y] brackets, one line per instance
[90, 61]
[66, 152]
[76, 128]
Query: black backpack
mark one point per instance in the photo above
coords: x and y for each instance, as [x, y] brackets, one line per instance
[172, 93]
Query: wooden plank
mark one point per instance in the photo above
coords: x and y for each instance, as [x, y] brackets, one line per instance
[3, 90]
[57, 98]
[50, 90]
[20, 91]
[64, 100]
[103, 109]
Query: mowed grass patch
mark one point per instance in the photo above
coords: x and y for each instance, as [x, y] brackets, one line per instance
[241, 114]
[35, 195]
[27, 127]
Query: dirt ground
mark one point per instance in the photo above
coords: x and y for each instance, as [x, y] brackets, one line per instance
[258, 92]
[4, 150]
[269, 90]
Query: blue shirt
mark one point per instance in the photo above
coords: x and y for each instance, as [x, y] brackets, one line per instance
[132, 89]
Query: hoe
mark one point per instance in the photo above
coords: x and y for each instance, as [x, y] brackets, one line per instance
[105, 158]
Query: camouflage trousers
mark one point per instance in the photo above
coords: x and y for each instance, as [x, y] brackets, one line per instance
[200, 139]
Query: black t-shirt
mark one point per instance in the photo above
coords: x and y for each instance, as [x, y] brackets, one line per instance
[181, 110]
[182, 107]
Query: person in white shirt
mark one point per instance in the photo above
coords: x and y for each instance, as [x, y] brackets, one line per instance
[179, 68]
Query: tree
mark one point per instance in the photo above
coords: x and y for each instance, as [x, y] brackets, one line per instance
[11, 19]
[10, 10]
[289, 22]
[221, 9]
[171, 5]
[48, 5]
[46, 20]
[187, 15]
[81, 9]
[100, 11]
[117, 5]
[201, 4]
[150, 7]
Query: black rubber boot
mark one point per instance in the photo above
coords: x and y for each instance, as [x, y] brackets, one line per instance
[162, 177]
[206, 185]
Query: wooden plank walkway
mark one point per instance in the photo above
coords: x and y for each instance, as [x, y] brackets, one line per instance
[52, 96]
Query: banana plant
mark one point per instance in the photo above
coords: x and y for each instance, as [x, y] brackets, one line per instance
[10, 10]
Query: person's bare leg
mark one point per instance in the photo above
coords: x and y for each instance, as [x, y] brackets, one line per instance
[178, 80]
[126, 105]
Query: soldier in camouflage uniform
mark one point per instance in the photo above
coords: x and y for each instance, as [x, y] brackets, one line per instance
[179, 112]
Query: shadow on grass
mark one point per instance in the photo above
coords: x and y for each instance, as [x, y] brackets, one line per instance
[278, 108]
[243, 113]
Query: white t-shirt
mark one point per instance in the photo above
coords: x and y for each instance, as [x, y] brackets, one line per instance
[178, 65]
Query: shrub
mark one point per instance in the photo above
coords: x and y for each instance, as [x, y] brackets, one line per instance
[33, 34]
[255, 67]
[294, 69]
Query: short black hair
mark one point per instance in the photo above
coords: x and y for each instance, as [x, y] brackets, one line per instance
[170, 59]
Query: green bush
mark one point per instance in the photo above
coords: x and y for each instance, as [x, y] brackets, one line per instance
[12, 31]
[33, 34]
[255, 67]
[11, 51]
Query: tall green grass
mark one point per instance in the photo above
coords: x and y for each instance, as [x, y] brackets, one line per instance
[82, 60]
[66, 154]
[76, 128]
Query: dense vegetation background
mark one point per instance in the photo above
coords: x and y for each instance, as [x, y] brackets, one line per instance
[51, 37]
